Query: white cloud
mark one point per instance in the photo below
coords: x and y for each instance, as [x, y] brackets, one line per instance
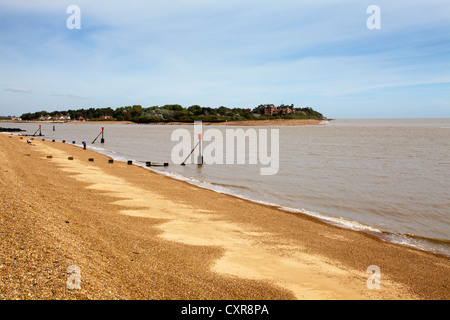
[18, 90]
[70, 96]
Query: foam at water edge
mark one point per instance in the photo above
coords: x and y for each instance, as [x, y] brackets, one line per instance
[349, 224]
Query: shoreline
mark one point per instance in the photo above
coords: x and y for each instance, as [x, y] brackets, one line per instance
[413, 241]
[405, 240]
[274, 122]
[185, 215]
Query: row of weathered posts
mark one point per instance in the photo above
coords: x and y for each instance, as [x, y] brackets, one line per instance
[102, 140]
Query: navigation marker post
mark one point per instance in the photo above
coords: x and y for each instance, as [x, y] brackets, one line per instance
[40, 132]
[102, 140]
[200, 156]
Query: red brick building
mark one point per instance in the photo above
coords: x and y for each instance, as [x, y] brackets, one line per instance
[270, 111]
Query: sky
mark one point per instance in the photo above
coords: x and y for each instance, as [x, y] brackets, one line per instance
[320, 54]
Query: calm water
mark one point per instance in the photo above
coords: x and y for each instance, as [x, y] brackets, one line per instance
[389, 177]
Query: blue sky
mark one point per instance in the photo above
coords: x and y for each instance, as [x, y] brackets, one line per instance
[231, 53]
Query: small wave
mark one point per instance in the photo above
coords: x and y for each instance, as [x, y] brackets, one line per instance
[99, 149]
[218, 187]
[338, 221]
[437, 246]
[226, 185]
[109, 153]
[434, 245]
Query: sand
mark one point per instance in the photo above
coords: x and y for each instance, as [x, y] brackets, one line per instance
[135, 234]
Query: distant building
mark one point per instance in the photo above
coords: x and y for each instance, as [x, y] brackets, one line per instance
[272, 110]
[45, 118]
[269, 111]
[106, 117]
[286, 110]
[57, 117]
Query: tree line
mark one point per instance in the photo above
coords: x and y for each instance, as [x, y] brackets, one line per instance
[177, 113]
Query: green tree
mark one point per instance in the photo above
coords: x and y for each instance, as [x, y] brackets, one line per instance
[195, 110]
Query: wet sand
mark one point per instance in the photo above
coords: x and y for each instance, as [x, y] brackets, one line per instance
[135, 234]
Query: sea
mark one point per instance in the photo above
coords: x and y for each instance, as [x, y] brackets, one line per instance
[386, 177]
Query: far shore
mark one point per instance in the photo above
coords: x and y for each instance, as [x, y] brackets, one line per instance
[274, 122]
